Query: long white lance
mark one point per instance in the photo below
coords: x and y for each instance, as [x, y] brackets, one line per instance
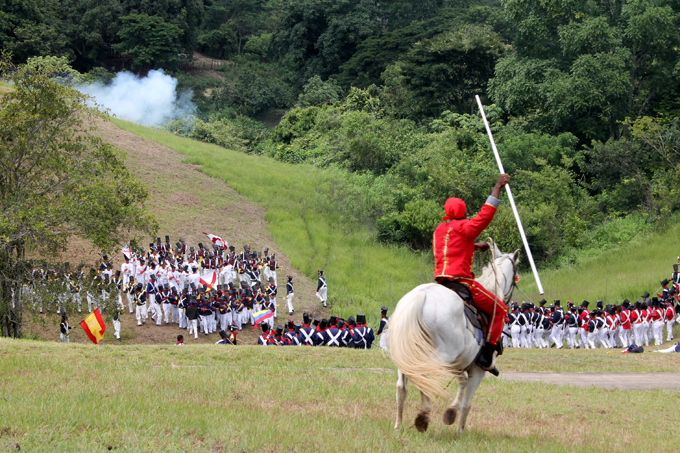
[512, 200]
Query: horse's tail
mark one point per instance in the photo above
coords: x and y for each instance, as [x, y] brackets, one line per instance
[413, 349]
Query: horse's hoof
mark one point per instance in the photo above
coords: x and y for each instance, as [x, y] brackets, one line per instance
[449, 416]
[422, 420]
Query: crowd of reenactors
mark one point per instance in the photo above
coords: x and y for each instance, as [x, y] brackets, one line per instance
[605, 326]
[332, 332]
[203, 290]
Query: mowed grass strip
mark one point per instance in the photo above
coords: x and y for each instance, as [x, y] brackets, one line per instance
[362, 275]
[207, 398]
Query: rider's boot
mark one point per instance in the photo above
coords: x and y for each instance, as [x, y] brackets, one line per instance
[487, 357]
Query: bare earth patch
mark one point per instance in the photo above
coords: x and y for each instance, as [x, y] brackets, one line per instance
[606, 380]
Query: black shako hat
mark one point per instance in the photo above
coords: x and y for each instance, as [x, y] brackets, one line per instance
[361, 320]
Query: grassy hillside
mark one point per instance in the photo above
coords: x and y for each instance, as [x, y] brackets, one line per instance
[621, 273]
[362, 275]
[58, 397]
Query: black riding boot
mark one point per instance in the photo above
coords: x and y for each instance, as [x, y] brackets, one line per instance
[486, 358]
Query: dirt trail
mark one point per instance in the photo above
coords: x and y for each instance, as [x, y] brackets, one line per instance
[605, 380]
[186, 203]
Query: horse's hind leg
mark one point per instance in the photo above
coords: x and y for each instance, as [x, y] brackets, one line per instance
[452, 411]
[475, 377]
[401, 397]
[423, 418]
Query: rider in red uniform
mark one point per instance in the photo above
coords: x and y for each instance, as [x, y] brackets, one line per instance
[454, 246]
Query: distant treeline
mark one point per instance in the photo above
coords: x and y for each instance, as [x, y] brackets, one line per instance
[584, 97]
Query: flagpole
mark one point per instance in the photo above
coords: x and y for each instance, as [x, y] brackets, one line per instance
[510, 197]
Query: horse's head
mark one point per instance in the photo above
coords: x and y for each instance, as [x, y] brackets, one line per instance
[503, 271]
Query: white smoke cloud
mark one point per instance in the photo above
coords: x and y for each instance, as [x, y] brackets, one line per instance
[150, 100]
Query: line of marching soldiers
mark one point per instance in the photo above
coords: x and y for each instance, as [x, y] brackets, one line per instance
[334, 332]
[610, 326]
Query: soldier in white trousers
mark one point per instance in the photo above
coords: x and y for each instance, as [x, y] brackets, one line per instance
[289, 295]
[669, 316]
[140, 304]
[322, 289]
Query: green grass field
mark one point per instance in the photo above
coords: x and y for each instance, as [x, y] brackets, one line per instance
[80, 397]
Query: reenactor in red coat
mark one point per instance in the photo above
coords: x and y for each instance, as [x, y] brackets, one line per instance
[454, 246]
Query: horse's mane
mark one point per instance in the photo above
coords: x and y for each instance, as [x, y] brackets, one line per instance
[488, 277]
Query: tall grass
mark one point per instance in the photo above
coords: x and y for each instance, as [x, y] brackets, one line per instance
[625, 272]
[362, 275]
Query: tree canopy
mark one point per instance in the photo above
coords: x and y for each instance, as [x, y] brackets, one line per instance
[57, 180]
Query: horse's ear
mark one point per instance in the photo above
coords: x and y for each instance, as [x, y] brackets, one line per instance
[515, 256]
[496, 251]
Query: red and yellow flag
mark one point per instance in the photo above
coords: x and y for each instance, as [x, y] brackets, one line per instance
[94, 326]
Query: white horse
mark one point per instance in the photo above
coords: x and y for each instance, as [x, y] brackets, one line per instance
[431, 342]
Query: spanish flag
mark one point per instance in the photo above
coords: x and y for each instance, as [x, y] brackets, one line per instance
[94, 326]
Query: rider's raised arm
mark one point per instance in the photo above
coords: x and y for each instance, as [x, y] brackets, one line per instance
[478, 223]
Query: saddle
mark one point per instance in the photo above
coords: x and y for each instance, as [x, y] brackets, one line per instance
[476, 318]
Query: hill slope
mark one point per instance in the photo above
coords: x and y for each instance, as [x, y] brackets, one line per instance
[621, 273]
[186, 203]
[364, 275]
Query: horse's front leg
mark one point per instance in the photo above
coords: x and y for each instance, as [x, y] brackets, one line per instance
[423, 418]
[475, 377]
[401, 397]
[452, 411]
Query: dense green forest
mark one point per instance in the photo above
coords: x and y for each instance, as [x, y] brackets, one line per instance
[583, 96]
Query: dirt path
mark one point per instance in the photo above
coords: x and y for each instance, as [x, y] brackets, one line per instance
[606, 380]
[186, 203]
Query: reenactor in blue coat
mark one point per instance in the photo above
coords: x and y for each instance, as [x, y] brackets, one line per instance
[306, 333]
[291, 335]
[363, 335]
[333, 334]
[320, 334]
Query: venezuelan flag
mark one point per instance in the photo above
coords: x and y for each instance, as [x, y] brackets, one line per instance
[261, 316]
[94, 326]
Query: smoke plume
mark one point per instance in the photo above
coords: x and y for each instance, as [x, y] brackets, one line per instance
[150, 100]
